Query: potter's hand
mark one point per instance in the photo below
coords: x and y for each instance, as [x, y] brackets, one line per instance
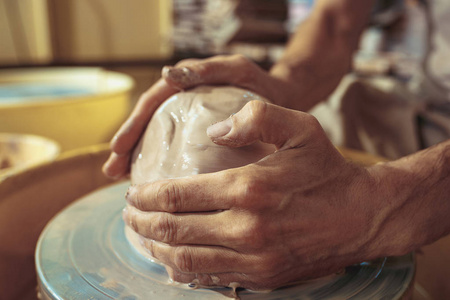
[232, 70]
[301, 212]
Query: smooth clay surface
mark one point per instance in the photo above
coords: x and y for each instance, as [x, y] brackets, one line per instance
[175, 143]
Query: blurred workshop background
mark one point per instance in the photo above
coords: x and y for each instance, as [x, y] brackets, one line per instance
[71, 70]
[61, 60]
[138, 37]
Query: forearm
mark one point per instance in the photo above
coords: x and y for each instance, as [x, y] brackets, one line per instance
[415, 200]
[321, 50]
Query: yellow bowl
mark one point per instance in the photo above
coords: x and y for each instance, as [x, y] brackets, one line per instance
[20, 151]
[75, 106]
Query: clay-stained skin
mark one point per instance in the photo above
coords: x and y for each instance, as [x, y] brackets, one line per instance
[175, 143]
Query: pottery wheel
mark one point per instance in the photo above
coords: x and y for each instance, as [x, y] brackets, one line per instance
[83, 254]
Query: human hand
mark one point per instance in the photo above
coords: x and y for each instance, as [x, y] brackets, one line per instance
[299, 213]
[231, 70]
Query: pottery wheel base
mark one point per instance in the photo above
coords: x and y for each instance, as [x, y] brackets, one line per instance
[83, 254]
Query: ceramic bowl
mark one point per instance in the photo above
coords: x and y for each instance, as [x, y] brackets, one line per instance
[21, 151]
[77, 107]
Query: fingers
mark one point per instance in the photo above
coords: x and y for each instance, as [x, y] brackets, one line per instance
[204, 192]
[131, 130]
[117, 166]
[199, 259]
[232, 70]
[269, 123]
[127, 136]
[174, 229]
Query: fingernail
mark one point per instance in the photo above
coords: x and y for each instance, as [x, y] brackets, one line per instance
[125, 215]
[129, 195]
[111, 171]
[220, 129]
[185, 77]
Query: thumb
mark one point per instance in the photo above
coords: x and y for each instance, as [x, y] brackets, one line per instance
[272, 124]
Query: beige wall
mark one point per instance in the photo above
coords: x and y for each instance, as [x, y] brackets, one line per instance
[111, 30]
[43, 31]
[24, 32]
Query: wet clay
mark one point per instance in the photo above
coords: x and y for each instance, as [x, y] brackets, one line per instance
[175, 143]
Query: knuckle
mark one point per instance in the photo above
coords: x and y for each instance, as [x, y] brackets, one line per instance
[253, 115]
[312, 123]
[252, 191]
[251, 122]
[241, 59]
[183, 260]
[257, 110]
[248, 71]
[168, 196]
[314, 129]
[165, 229]
[250, 234]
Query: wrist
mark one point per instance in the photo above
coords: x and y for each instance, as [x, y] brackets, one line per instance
[313, 69]
[412, 201]
[312, 80]
[393, 210]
